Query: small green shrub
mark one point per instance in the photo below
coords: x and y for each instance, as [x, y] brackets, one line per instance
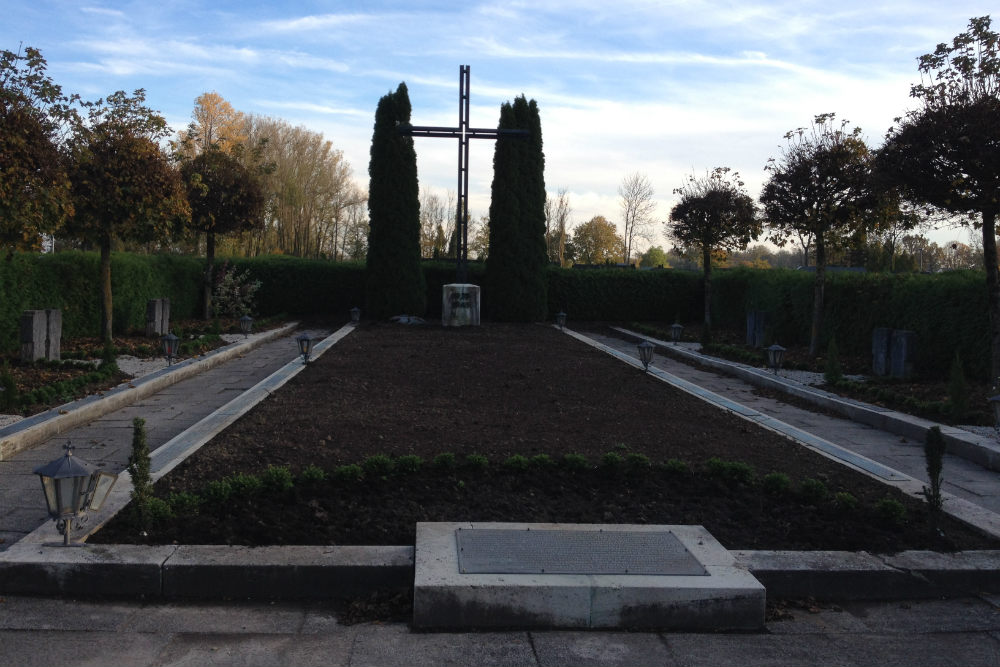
[348, 474]
[377, 465]
[278, 479]
[159, 510]
[517, 462]
[445, 461]
[408, 464]
[312, 474]
[676, 467]
[731, 472]
[243, 484]
[776, 483]
[575, 461]
[637, 461]
[184, 504]
[845, 501]
[541, 461]
[477, 462]
[612, 461]
[219, 491]
[890, 511]
[813, 491]
[620, 447]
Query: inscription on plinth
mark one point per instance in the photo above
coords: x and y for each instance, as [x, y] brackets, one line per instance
[460, 305]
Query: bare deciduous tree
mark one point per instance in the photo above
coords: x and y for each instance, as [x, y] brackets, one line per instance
[556, 220]
[637, 206]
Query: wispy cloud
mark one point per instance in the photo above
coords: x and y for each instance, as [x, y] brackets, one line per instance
[315, 22]
[312, 107]
[103, 11]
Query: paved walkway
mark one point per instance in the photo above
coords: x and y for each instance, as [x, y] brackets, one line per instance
[961, 478]
[42, 631]
[108, 440]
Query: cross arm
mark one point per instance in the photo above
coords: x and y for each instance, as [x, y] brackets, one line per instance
[456, 133]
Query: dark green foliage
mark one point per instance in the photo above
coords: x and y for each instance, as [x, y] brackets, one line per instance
[517, 462]
[515, 268]
[408, 463]
[395, 283]
[244, 485]
[138, 469]
[845, 501]
[958, 390]
[159, 510]
[348, 474]
[377, 465]
[833, 372]
[730, 472]
[541, 461]
[776, 483]
[184, 504]
[637, 461]
[477, 461]
[676, 467]
[813, 491]
[277, 479]
[9, 398]
[312, 474]
[445, 460]
[575, 461]
[934, 449]
[612, 461]
[890, 511]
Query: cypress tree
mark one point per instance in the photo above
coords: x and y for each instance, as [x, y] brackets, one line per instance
[395, 282]
[515, 266]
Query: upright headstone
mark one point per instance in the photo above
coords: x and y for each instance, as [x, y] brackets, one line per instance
[41, 334]
[460, 305]
[157, 317]
[756, 321]
[902, 352]
[880, 351]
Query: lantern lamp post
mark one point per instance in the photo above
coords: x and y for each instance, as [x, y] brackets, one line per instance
[305, 347]
[775, 357]
[73, 487]
[246, 325]
[355, 315]
[561, 320]
[646, 354]
[676, 329]
[170, 344]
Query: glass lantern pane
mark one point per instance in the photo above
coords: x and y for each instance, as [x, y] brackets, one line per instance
[49, 488]
[102, 488]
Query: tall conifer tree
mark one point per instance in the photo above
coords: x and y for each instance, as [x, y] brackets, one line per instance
[395, 283]
[515, 267]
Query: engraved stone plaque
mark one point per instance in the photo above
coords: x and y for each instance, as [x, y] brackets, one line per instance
[513, 551]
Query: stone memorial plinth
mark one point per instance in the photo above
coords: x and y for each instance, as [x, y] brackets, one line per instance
[503, 575]
[756, 322]
[902, 353]
[157, 317]
[41, 334]
[460, 305]
[880, 351]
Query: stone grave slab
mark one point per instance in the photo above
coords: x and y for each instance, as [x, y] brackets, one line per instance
[491, 575]
[460, 305]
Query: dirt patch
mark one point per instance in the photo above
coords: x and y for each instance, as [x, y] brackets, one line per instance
[504, 390]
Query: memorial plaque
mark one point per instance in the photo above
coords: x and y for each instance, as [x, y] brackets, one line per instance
[511, 551]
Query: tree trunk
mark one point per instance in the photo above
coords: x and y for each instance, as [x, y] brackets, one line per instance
[206, 295]
[707, 259]
[818, 290]
[992, 289]
[106, 305]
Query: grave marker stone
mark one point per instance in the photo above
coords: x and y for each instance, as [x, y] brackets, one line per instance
[880, 351]
[41, 334]
[460, 305]
[756, 321]
[157, 317]
[902, 352]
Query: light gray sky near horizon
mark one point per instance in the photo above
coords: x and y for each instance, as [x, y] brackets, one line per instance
[664, 88]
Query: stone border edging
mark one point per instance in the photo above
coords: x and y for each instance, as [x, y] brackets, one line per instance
[961, 443]
[38, 428]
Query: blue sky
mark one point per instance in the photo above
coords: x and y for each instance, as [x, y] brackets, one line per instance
[662, 88]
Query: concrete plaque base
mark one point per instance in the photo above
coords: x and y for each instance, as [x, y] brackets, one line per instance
[725, 598]
[460, 305]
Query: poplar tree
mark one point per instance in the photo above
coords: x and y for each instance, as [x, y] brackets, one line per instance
[395, 282]
[515, 267]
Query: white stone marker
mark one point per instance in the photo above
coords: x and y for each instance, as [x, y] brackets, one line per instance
[460, 305]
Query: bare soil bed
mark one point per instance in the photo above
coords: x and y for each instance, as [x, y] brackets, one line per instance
[504, 390]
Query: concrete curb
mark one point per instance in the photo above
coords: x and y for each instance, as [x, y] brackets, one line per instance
[969, 446]
[38, 428]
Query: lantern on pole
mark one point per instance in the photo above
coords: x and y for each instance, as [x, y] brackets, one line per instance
[73, 487]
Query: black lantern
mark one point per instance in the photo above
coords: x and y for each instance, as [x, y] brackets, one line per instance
[561, 319]
[676, 329]
[170, 344]
[775, 356]
[355, 315]
[72, 487]
[305, 347]
[646, 354]
[246, 325]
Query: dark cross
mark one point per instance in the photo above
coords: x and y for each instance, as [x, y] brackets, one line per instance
[463, 133]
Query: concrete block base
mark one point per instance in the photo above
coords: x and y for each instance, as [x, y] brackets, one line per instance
[727, 598]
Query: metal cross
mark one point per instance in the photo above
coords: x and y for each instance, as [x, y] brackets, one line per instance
[463, 133]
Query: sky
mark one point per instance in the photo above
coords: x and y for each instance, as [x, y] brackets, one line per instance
[667, 89]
